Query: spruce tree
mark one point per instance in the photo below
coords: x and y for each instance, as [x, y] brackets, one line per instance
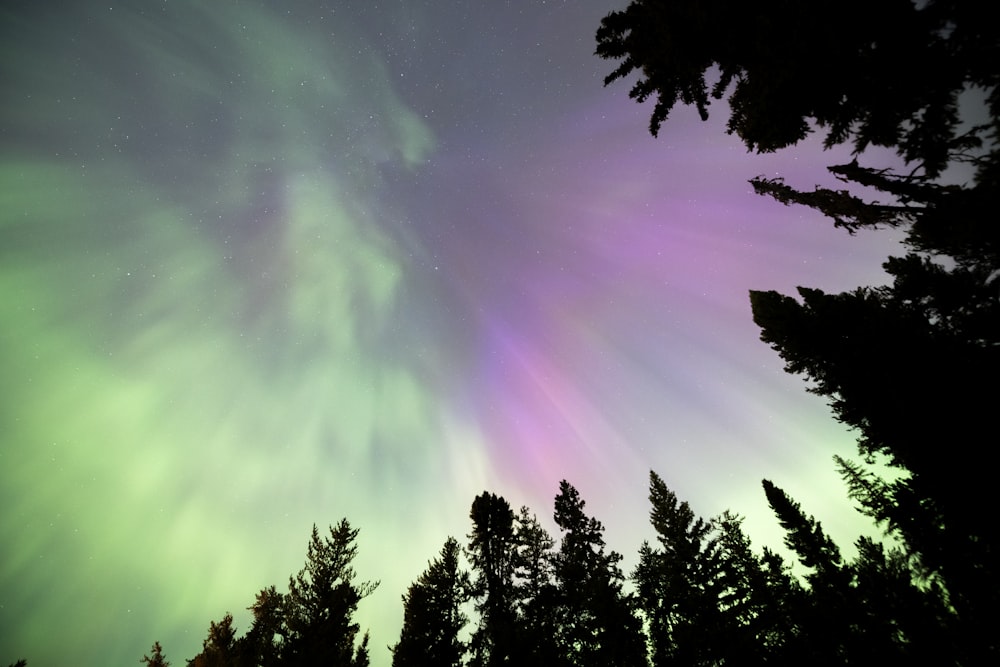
[321, 601]
[221, 647]
[157, 659]
[596, 621]
[491, 554]
[432, 614]
[535, 591]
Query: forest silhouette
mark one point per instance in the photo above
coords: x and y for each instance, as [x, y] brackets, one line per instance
[911, 367]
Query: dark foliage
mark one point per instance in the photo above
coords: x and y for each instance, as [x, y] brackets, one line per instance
[157, 658]
[536, 593]
[909, 365]
[432, 614]
[491, 553]
[310, 625]
[321, 602]
[883, 74]
[596, 621]
[220, 647]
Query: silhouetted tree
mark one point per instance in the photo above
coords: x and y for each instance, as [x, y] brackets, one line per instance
[706, 597]
[675, 581]
[828, 622]
[157, 659]
[870, 608]
[265, 640]
[20, 663]
[535, 591]
[901, 365]
[219, 649]
[321, 602]
[432, 614]
[491, 551]
[596, 623]
[759, 599]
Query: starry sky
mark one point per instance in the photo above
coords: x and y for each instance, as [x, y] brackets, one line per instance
[268, 264]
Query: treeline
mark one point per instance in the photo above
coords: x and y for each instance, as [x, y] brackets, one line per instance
[699, 595]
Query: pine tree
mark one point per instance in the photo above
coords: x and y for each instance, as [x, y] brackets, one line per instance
[757, 598]
[596, 620]
[675, 581]
[321, 602]
[157, 659]
[220, 648]
[535, 591]
[491, 551]
[870, 608]
[707, 599]
[432, 614]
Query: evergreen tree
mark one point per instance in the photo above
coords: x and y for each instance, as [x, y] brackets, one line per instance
[220, 648]
[321, 601]
[491, 550]
[596, 620]
[706, 597]
[675, 581]
[759, 599]
[828, 622]
[157, 659]
[535, 591]
[432, 614]
[870, 607]
[265, 640]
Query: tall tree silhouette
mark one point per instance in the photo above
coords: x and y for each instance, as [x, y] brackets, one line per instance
[221, 647]
[313, 624]
[491, 550]
[597, 624]
[675, 581]
[706, 597]
[265, 640]
[432, 614]
[321, 601]
[536, 595]
[868, 608]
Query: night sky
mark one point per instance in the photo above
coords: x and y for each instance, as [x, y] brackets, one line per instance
[270, 264]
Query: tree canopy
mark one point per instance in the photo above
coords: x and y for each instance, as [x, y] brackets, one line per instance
[874, 74]
[432, 614]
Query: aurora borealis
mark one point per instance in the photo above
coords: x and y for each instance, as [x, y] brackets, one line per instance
[270, 264]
